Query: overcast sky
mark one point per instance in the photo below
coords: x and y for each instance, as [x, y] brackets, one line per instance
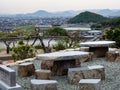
[27, 6]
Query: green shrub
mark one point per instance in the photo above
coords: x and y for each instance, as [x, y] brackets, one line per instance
[38, 47]
[22, 51]
[114, 35]
[59, 46]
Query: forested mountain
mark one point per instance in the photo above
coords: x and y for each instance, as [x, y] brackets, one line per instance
[87, 17]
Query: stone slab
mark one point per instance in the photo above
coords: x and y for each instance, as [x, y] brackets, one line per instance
[7, 75]
[89, 84]
[87, 68]
[90, 81]
[97, 44]
[43, 84]
[62, 55]
[26, 63]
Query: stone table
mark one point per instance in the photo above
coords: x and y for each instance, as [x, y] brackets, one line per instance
[99, 48]
[59, 62]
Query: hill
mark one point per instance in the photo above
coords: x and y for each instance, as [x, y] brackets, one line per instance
[87, 17]
[43, 13]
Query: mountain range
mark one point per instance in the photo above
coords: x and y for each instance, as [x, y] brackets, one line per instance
[72, 13]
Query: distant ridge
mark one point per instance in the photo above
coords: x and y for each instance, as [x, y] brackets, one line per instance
[87, 17]
[71, 13]
[43, 13]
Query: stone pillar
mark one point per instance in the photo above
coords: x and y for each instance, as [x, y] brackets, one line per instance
[47, 64]
[26, 69]
[89, 84]
[43, 84]
[43, 74]
[59, 67]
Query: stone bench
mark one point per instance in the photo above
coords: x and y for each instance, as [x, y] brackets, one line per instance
[89, 72]
[43, 74]
[26, 69]
[89, 84]
[43, 84]
[113, 56]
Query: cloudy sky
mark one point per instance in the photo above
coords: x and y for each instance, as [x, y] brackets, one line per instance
[27, 6]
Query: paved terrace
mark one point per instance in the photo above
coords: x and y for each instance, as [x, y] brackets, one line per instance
[111, 82]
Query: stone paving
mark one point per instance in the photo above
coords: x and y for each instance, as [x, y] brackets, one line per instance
[111, 82]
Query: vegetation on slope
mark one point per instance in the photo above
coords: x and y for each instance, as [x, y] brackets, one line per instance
[87, 17]
[113, 23]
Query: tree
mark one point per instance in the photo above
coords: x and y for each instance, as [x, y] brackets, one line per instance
[113, 35]
[71, 41]
[52, 32]
[23, 51]
[55, 32]
[6, 37]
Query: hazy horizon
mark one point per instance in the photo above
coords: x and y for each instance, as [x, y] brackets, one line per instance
[29, 6]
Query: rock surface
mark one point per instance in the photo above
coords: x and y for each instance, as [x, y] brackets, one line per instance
[26, 69]
[89, 84]
[90, 72]
[111, 82]
[43, 84]
[113, 56]
[43, 74]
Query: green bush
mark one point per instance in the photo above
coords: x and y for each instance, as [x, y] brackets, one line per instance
[59, 46]
[113, 35]
[22, 51]
[38, 47]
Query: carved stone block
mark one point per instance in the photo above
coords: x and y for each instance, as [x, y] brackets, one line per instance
[90, 72]
[89, 84]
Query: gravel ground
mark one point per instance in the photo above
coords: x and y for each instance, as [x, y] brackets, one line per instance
[112, 72]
